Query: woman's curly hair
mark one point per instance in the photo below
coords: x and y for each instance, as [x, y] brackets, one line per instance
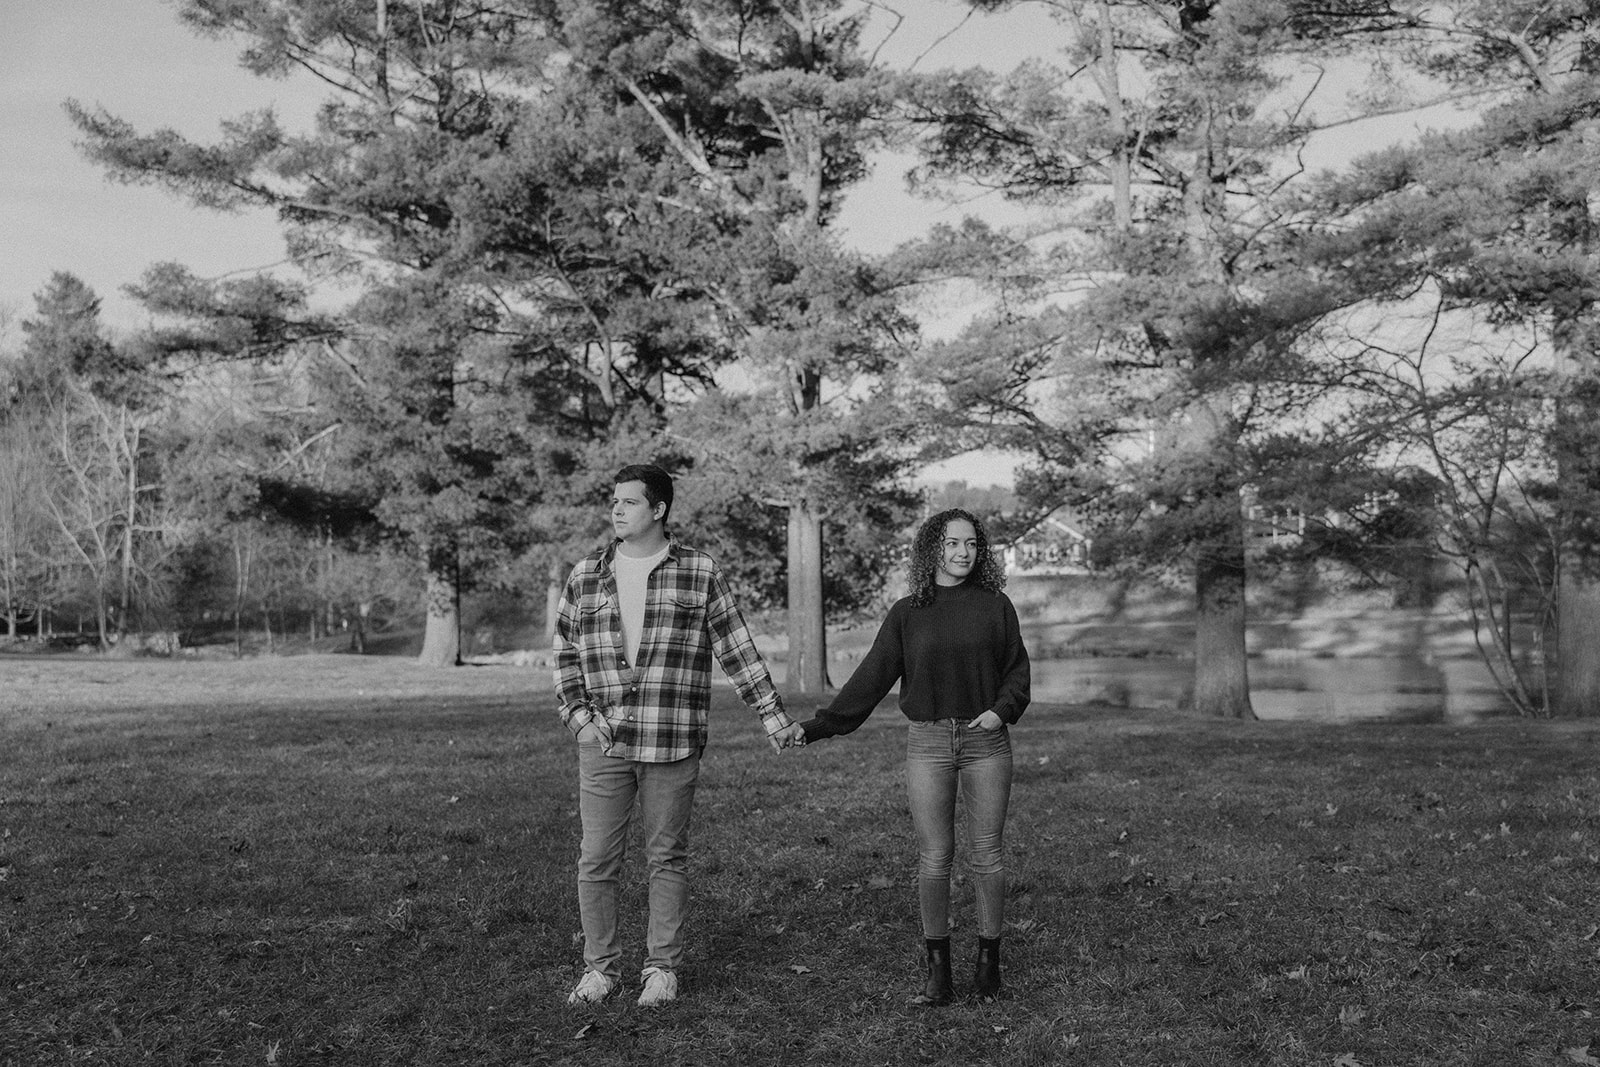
[925, 549]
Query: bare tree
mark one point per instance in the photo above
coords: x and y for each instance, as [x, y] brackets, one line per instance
[1465, 409]
[106, 497]
[26, 527]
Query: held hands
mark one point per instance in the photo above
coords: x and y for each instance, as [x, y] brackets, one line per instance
[987, 721]
[791, 736]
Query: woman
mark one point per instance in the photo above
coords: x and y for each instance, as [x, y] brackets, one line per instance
[955, 648]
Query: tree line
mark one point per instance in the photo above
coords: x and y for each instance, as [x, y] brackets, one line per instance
[536, 240]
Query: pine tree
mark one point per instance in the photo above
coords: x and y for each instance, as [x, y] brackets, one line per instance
[1148, 358]
[773, 107]
[475, 206]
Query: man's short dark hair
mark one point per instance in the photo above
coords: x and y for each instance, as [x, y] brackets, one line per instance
[657, 483]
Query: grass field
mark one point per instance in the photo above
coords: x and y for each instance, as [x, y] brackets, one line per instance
[336, 860]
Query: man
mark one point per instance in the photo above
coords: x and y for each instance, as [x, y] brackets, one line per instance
[638, 624]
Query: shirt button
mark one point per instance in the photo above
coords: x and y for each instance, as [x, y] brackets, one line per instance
[633, 689]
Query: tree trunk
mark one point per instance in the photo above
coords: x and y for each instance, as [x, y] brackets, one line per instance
[358, 633]
[1221, 666]
[1574, 692]
[241, 588]
[127, 581]
[1576, 686]
[129, 439]
[100, 609]
[552, 602]
[327, 609]
[808, 635]
[441, 637]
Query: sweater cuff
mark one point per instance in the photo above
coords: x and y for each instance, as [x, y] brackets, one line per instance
[1008, 713]
[816, 730]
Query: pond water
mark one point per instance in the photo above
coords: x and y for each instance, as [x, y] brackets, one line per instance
[1344, 689]
[1287, 688]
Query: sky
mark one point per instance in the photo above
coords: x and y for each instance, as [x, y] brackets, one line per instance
[59, 212]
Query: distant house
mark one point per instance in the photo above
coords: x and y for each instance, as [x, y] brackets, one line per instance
[1262, 524]
[1053, 545]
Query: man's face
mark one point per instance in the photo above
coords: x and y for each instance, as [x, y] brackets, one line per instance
[632, 514]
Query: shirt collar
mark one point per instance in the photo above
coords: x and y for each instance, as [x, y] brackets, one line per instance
[674, 550]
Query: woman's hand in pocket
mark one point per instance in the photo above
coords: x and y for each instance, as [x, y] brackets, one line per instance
[987, 721]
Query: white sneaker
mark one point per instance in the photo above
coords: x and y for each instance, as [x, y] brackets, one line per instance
[660, 987]
[592, 988]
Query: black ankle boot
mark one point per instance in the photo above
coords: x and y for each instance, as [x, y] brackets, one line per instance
[986, 981]
[937, 992]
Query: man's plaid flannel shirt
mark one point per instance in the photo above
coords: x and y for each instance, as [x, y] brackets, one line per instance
[657, 708]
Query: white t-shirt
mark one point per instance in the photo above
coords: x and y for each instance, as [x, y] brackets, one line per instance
[633, 579]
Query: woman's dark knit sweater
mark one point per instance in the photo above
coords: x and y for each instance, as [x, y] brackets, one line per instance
[958, 657]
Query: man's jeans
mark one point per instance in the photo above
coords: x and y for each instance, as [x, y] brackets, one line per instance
[939, 755]
[607, 788]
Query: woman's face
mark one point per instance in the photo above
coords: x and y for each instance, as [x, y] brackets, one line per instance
[958, 552]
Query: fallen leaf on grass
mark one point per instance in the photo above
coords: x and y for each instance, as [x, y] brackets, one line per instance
[1580, 1055]
[581, 1034]
[1299, 974]
[880, 881]
[799, 968]
[1592, 931]
[1346, 1060]
[1350, 1015]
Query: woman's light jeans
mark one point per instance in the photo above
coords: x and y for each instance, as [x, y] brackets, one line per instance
[940, 756]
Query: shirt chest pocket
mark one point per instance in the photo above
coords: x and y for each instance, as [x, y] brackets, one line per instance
[683, 608]
[594, 613]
